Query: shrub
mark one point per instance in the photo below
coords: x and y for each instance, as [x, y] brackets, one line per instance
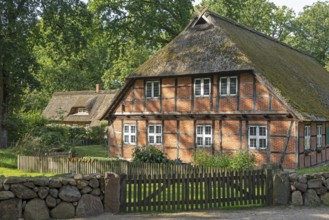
[97, 134]
[241, 160]
[77, 135]
[149, 154]
[42, 140]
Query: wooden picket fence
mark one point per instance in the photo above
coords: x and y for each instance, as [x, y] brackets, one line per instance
[76, 165]
[185, 192]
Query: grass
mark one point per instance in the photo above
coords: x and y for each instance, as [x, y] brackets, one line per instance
[91, 151]
[311, 170]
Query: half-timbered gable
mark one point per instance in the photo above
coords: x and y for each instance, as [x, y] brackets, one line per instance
[225, 88]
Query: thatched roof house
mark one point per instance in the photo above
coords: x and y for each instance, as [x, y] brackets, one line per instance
[78, 107]
[214, 44]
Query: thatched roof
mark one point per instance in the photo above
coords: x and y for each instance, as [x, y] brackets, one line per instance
[218, 44]
[63, 105]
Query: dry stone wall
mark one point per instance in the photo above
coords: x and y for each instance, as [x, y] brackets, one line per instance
[309, 190]
[58, 197]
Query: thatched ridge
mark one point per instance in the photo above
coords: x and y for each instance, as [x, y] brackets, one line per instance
[62, 106]
[218, 44]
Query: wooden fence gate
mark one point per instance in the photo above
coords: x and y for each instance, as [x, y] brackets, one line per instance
[197, 191]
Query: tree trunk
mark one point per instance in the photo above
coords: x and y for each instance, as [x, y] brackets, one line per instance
[3, 131]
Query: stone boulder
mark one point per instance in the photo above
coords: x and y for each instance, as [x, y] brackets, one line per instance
[86, 190]
[69, 194]
[64, 210]
[51, 201]
[94, 183]
[22, 191]
[55, 183]
[311, 198]
[10, 209]
[53, 193]
[314, 183]
[41, 181]
[36, 209]
[4, 195]
[281, 189]
[82, 184]
[89, 205]
[325, 198]
[301, 186]
[297, 198]
[43, 192]
[14, 180]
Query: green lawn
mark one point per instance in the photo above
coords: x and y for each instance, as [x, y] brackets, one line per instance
[91, 151]
[319, 169]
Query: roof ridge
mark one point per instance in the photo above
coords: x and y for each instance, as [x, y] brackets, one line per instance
[258, 33]
[86, 92]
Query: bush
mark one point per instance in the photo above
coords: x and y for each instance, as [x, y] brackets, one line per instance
[149, 154]
[42, 140]
[77, 135]
[97, 134]
[241, 160]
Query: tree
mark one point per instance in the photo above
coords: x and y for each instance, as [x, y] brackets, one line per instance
[311, 31]
[127, 32]
[17, 19]
[261, 15]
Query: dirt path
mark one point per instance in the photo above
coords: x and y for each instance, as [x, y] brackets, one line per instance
[271, 213]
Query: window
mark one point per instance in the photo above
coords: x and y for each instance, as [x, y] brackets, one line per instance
[202, 87]
[229, 86]
[307, 136]
[319, 135]
[82, 111]
[204, 135]
[257, 137]
[152, 89]
[129, 134]
[155, 134]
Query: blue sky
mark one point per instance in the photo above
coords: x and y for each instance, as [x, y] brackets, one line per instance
[296, 5]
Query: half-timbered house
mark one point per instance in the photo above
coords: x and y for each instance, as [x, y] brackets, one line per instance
[226, 88]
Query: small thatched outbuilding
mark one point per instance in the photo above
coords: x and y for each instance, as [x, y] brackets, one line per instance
[83, 108]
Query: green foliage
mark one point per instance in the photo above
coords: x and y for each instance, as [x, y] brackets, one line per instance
[23, 122]
[43, 140]
[149, 154]
[241, 160]
[8, 159]
[97, 134]
[76, 135]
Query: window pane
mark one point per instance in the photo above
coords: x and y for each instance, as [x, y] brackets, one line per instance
[197, 87]
[262, 131]
[151, 139]
[199, 141]
[156, 89]
[149, 89]
[252, 142]
[207, 141]
[133, 129]
[126, 129]
[262, 143]
[207, 129]
[151, 129]
[223, 86]
[133, 139]
[199, 130]
[252, 131]
[206, 87]
[307, 142]
[158, 139]
[233, 86]
[319, 130]
[158, 129]
[126, 139]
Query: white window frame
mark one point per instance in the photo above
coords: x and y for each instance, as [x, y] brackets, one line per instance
[202, 84]
[258, 137]
[319, 135]
[82, 111]
[307, 137]
[203, 135]
[151, 83]
[155, 135]
[129, 134]
[228, 86]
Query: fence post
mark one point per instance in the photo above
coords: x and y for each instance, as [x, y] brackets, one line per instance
[269, 187]
[112, 193]
[123, 192]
